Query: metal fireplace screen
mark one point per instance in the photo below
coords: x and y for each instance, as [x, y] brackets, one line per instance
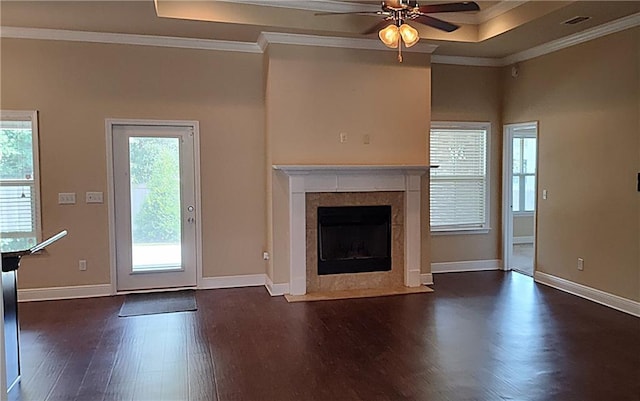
[354, 239]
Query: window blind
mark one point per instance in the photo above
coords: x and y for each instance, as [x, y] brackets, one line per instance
[17, 209]
[459, 185]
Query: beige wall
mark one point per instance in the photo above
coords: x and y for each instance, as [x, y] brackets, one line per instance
[313, 94]
[587, 101]
[317, 93]
[462, 93]
[75, 86]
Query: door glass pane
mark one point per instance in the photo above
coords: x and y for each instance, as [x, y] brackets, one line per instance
[517, 155]
[529, 156]
[515, 199]
[530, 193]
[155, 203]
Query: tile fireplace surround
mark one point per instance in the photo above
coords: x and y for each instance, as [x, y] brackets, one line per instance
[305, 179]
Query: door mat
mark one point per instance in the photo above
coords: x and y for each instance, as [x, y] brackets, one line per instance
[158, 302]
[349, 294]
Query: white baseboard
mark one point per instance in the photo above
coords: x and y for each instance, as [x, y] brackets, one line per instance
[276, 289]
[245, 280]
[523, 240]
[592, 294]
[103, 290]
[466, 266]
[71, 292]
[426, 278]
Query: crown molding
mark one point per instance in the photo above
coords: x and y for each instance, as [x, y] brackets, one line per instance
[267, 38]
[128, 39]
[260, 46]
[589, 34]
[472, 61]
[546, 48]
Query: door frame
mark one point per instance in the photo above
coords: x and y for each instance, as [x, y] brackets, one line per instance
[507, 189]
[195, 126]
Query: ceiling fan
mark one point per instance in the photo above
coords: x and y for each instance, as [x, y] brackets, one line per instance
[393, 31]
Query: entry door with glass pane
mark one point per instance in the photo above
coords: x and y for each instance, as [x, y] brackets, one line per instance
[155, 220]
[519, 203]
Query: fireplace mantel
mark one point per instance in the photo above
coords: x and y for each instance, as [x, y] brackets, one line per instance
[293, 169]
[352, 178]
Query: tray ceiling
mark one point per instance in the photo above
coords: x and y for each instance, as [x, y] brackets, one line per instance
[499, 29]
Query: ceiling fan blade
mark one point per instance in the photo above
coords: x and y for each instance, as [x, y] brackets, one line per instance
[380, 25]
[449, 7]
[436, 23]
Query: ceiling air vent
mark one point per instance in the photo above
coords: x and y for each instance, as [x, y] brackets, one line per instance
[576, 20]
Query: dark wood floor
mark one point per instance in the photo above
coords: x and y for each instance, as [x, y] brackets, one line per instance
[479, 336]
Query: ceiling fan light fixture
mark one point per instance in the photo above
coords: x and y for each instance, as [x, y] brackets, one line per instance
[409, 35]
[390, 36]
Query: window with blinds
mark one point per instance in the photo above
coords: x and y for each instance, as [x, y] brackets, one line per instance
[19, 185]
[459, 186]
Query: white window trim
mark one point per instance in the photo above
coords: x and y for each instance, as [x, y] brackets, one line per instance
[468, 125]
[522, 175]
[22, 115]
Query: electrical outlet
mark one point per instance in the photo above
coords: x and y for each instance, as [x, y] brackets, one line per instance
[544, 194]
[265, 255]
[343, 137]
[66, 198]
[82, 265]
[93, 197]
[366, 139]
[580, 264]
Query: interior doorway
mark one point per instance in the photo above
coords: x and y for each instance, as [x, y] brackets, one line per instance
[520, 161]
[155, 205]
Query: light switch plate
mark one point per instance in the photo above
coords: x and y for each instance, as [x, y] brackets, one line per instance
[94, 197]
[66, 198]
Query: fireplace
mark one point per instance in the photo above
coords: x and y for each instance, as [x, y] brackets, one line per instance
[354, 239]
[302, 189]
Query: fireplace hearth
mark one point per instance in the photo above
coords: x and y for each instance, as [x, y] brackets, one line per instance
[354, 239]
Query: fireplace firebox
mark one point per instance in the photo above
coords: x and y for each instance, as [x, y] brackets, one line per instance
[354, 239]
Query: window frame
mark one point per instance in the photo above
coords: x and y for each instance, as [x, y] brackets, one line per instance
[30, 115]
[522, 176]
[467, 125]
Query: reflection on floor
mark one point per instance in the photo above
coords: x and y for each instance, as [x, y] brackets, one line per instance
[523, 258]
[482, 336]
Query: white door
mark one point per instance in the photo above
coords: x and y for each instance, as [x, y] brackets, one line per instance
[519, 196]
[155, 206]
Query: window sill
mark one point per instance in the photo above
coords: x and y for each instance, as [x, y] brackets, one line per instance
[461, 231]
